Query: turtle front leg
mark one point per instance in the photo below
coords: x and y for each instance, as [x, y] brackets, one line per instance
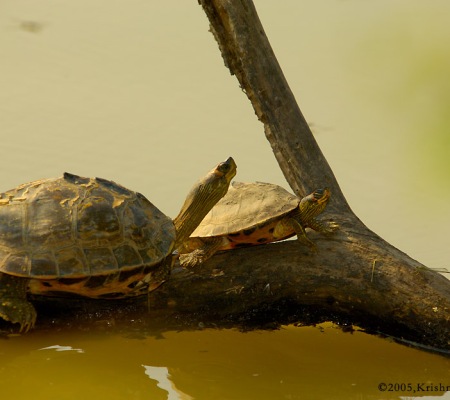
[324, 227]
[14, 306]
[207, 250]
[301, 234]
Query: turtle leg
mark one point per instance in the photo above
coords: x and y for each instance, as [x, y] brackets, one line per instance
[301, 234]
[324, 227]
[14, 306]
[162, 273]
[200, 255]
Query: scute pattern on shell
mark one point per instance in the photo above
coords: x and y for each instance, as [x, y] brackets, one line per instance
[246, 205]
[71, 227]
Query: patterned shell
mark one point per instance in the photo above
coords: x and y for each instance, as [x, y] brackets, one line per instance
[246, 206]
[75, 227]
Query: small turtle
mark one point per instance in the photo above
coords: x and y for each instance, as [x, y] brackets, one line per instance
[252, 214]
[91, 237]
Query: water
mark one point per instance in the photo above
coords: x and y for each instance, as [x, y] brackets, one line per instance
[137, 92]
[292, 363]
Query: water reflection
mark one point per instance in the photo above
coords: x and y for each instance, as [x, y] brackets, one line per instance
[162, 376]
[57, 347]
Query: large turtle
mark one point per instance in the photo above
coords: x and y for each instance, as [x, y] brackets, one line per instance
[252, 214]
[91, 237]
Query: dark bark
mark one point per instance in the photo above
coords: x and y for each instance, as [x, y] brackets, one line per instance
[355, 278]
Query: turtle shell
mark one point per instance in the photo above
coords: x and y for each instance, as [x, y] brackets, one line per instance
[87, 236]
[246, 207]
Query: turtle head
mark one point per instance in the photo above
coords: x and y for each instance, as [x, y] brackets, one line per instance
[313, 204]
[224, 172]
[210, 189]
[202, 198]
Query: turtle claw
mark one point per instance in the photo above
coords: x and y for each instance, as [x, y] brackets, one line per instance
[24, 328]
[19, 312]
[192, 259]
[330, 228]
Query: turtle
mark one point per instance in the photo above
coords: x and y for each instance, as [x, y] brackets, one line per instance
[253, 214]
[91, 237]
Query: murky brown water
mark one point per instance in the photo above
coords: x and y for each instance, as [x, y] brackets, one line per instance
[137, 92]
[292, 363]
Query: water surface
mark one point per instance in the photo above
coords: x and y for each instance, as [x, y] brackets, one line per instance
[291, 363]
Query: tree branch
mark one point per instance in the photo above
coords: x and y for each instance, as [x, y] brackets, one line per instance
[363, 285]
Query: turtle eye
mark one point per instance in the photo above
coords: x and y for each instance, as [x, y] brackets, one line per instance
[318, 194]
[224, 167]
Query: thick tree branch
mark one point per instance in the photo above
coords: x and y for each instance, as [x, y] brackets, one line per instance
[364, 285]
